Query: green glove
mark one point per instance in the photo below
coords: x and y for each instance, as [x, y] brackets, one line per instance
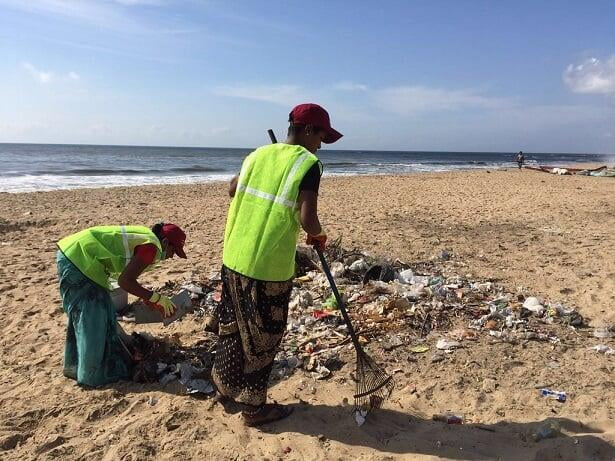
[163, 304]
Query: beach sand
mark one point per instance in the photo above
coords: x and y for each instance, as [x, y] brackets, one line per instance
[552, 235]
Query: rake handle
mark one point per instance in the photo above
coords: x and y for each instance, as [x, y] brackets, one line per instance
[327, 271]
[272, 136]
[338, 298]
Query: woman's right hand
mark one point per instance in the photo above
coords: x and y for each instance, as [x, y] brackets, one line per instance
[161, 303]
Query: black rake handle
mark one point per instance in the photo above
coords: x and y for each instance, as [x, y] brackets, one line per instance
[272, 136]
[338, 298]
[327, 271]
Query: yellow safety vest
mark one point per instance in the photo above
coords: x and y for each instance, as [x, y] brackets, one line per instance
[102, 252]
[263, 223]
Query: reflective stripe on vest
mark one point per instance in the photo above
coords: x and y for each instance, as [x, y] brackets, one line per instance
[101, 252]
[279, 199]
[125, 242]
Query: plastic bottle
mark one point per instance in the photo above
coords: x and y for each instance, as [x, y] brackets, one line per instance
[560, 396]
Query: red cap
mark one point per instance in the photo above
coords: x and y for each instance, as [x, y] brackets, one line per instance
[176, 237]
[313, 114]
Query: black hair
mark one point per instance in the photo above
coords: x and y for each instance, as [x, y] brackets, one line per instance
[295, 129]
[157, 230]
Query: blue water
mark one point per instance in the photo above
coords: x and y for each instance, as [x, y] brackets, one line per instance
[36, 167]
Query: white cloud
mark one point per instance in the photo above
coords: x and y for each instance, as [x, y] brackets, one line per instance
[40, 76]
[591, 76]
[45, 76]
[284, 95]
[350, 86]
[406, 100]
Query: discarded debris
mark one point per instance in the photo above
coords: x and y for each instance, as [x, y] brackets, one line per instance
[419, 349]
[603, 349]
[533, 304]
[417, 308]
[447, 344]
[560, 396]
[602, 332]
[359, 416]
[448, 418]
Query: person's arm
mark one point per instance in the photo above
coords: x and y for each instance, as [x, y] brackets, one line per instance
[128, 279]
[308, 203]
[232, 187]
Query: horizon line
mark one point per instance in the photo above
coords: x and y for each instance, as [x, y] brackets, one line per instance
[339, 150]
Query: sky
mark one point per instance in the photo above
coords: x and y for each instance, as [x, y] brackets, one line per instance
[394, 75]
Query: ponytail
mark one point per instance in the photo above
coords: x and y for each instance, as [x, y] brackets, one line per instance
[157, 230]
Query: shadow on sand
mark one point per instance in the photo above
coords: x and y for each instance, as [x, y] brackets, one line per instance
[395, 432]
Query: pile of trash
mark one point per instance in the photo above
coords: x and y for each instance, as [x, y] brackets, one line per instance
[166, 360]
[422, 306]
[394, 304]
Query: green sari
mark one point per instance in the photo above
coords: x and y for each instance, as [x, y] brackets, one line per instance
[93, 354]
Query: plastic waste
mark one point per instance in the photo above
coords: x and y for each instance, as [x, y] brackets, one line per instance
[321, 372]
[145, 314]
[560, 396]
[448, 418]
[418, 280]
[603, 349]
[193, 288]
[405, 276]
[199, 386]
[359, 265]
[382, 272]
[419, 349]
[330, 303]
[293, 362]
[602, 332]
[337, 269]
[435, 280]
[167, 378]
[447, 344]
[533, 304]
[392, 342]
[320, 314]
[359, 416]
[301, 300]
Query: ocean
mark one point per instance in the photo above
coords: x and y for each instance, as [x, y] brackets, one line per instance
[39, 167]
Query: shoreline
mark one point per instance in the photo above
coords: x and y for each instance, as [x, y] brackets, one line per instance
[226, 178]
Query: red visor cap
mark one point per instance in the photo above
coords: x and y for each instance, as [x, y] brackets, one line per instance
[313, 114]
[176, 237]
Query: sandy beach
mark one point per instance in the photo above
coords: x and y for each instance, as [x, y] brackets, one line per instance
[551, 235]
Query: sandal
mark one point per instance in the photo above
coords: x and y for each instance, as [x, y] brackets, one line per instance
[265, 414]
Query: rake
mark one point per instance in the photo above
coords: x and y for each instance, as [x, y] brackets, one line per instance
[374, 385]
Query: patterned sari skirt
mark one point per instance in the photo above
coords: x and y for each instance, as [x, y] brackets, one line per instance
[252, 320]
[93, 354]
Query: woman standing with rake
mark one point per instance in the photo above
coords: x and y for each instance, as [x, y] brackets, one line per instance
[275, 194]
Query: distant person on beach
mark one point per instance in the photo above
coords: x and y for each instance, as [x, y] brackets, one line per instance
[520, 159]
[87, 260]
[275, 193]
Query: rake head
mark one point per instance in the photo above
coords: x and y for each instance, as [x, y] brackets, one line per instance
[374, 385]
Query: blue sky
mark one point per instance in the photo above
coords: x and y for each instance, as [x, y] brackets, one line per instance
[407, 75]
